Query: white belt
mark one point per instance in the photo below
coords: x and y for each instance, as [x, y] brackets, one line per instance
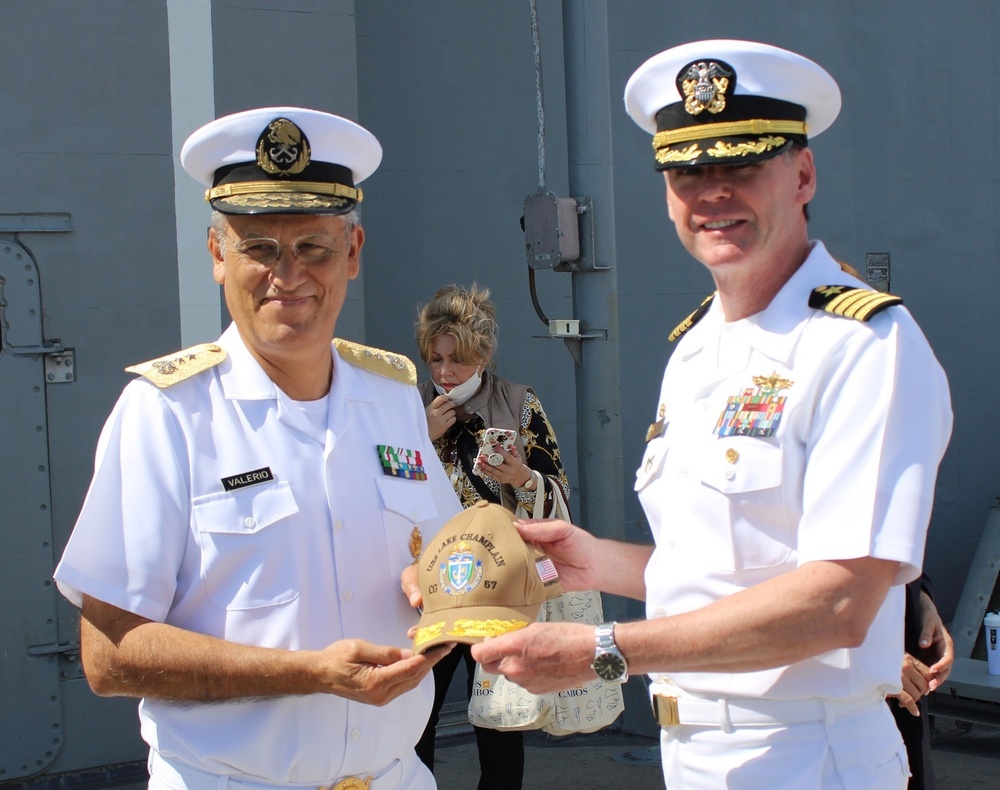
[670, 711]
[184, 777]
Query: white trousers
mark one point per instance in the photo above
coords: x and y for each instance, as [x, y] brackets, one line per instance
[860, 750]
[407, 773]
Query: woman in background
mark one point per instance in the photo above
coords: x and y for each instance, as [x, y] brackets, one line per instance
[456, 335]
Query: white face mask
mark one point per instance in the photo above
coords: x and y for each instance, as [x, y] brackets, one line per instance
[462, 392]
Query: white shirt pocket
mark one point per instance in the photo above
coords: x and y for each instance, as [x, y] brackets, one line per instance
[737, 465]
[742, 479]
[406, 504]
[248, 546]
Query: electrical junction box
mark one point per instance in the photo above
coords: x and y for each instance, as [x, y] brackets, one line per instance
[564, 327]
[551, 230]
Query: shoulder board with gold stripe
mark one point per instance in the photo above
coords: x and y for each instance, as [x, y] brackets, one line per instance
[857, 303]
[692, 319]
[173, 368]
[385, 363]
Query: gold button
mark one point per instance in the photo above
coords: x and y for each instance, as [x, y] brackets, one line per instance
[732, 456]
[663, 410]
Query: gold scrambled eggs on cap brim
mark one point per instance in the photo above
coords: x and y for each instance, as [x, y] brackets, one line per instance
[479, 578]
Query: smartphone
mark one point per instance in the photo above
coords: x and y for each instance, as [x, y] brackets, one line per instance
[494, 437]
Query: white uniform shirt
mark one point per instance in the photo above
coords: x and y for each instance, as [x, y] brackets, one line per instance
[309, 557]
[848, 470]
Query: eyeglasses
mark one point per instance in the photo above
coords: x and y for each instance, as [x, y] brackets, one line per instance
[308, 249]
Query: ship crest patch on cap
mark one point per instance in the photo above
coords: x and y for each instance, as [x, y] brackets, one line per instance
[704, 84]
[283, 149]
[479, 578]
[461, 573]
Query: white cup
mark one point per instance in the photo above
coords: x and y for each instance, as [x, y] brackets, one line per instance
[992, 623]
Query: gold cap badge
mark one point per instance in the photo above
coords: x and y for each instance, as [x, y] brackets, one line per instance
[704, 85]
[282, 149]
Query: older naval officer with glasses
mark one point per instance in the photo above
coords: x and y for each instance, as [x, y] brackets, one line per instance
[243, 557]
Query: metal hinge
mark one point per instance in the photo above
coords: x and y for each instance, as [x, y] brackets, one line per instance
[71, 649]
[60, 363]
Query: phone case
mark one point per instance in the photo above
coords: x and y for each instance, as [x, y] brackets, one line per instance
[494, 436]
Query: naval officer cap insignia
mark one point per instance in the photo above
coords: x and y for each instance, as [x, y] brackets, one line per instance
[282, 160]
[479, 578]
[726, 102]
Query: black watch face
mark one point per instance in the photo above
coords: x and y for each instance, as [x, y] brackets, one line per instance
[609, 666]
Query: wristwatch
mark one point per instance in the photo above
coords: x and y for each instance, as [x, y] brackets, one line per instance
[609, 663]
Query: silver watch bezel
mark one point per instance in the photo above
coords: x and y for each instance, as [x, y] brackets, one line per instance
[607, 654]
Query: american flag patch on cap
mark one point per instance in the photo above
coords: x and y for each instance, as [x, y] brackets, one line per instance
[546, 571]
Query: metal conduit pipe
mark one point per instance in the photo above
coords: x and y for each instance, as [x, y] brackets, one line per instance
[595, 293]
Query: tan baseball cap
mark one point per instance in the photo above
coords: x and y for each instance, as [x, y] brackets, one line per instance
[479, 578]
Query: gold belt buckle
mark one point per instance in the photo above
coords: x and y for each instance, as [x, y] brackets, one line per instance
[350, 783]
[665, 710]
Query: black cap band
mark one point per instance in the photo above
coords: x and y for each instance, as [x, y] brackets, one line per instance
[754, 128]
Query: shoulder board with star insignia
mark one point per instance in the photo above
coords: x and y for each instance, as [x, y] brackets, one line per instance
[385, 363]
[692, 319]
[857, 303]
[173, 368]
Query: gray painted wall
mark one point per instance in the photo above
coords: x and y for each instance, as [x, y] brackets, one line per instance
[85, 125]
[449, 88]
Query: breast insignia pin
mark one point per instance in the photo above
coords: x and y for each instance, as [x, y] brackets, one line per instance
[416, 544]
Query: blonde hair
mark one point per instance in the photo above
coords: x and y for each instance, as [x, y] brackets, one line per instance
[468, 315]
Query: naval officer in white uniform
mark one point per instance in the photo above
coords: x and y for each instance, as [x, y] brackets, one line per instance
[789, 470]
[256, 501]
